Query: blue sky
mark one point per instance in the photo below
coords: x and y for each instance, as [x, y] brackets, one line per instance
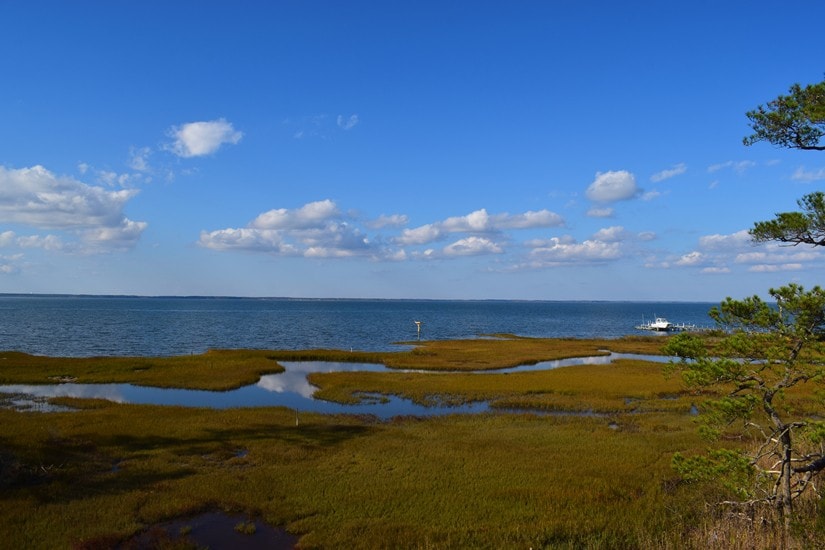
[482, 150]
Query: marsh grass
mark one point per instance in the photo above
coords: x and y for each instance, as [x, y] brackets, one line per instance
[624, 386]
[213, 370]
[230, 369]
[458, 481]
[97, 476]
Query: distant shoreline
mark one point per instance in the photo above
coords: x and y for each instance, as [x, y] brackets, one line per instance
[330, 299]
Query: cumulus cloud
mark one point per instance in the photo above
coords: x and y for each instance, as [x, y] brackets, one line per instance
[312, 214]
[472, 246]
[613, 186]
[611, 234]
[36, 198]
[479, 222]
[730, 242]
[394, 220]
[7, 238]
[197, 139]
[10, 265]
[46, 242]
[717, 253]
[566, 250]
[692, 258]
[677, 170]
[315, 230]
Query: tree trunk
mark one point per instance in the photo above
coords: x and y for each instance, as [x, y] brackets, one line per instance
[784, 502]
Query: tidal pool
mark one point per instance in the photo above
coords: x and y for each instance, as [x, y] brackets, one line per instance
[287, 389]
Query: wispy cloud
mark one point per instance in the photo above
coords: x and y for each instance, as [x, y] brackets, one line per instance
[677, 170]
[320, 126]
[808, 175]
[347, 123]
[600, 213]
[139, 158]
[740, 167]
[197, 139]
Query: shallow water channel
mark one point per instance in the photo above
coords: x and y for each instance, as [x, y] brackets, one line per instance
[287, 389]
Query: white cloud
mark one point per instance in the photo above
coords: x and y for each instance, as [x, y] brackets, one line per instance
[47, 242]
[613, 186]
[36, 198]
[528, 220]
[347, 123]
[10, 265]
[611, 234]
[315, 230]
[600, 213]
[420, 235]
[479, 222]
[139, 158]
[313, 214]
[472, 246]
[730, 242]
[740, 167]
[808, 176]
[559, 250]
[395, 220]
[774, 268]
[717, 252]
[677, 170]
[7, 238]
[197, 139]
[691, 259]
[121, 236]
[776, 253]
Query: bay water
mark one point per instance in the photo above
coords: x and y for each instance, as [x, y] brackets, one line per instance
[82, 326]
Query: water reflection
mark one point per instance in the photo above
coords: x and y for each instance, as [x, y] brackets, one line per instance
[287, 389]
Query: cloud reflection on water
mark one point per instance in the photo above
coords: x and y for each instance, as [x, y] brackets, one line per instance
[287, 389]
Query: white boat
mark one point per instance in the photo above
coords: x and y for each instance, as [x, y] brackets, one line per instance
[659, 325]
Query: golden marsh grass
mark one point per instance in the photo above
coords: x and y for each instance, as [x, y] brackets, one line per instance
[103, 473]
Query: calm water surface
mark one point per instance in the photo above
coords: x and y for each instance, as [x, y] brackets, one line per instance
[287, 389]
[81, 326]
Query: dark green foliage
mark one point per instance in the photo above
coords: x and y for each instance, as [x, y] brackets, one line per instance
[805, 227]
[730, 468]
[757, 369]
[796, 121]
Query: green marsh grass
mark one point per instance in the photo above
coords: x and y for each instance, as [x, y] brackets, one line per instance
[99, 475]
[213, 370]
[456, 481]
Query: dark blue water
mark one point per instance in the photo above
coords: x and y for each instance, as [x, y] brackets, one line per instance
[86, 325]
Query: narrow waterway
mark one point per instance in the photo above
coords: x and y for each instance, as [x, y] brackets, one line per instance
[287, 389]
